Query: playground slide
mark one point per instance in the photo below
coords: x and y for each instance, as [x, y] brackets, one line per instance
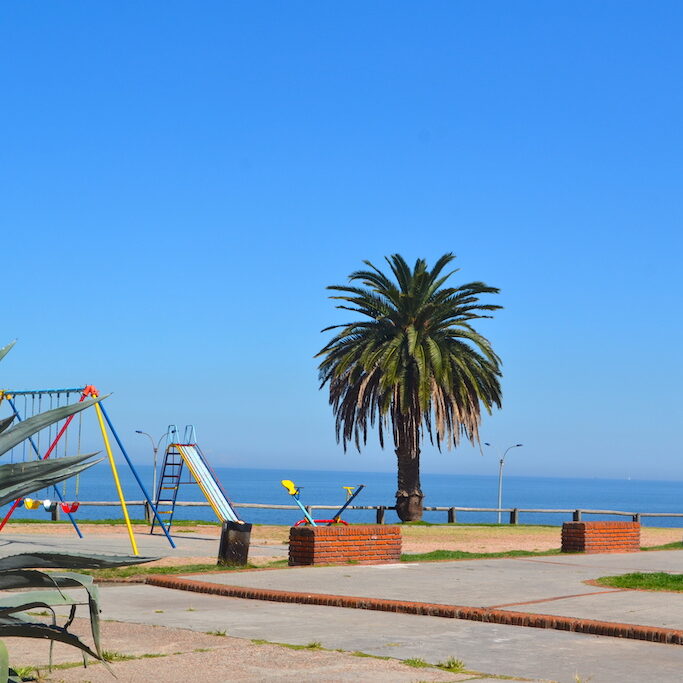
[207, 482]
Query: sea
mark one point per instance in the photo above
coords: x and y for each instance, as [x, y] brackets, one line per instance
[319, 487]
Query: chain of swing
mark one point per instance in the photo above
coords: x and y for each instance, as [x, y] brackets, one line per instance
[52, 432]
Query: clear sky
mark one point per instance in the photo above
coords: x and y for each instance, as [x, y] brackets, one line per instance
[179, 182]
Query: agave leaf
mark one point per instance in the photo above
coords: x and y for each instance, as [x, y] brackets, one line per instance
[48, 598]
[20, 602]
[29, 578]
[55, 560]
[26, 477]
[15, 435]
[4, 423]
[19, 626]
[3, 352]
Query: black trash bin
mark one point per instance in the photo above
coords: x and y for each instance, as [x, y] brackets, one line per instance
[234, 546]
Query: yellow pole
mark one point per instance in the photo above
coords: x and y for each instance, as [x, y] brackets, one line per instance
[116, 479]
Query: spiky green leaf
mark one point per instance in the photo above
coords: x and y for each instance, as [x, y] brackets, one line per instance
[6, 422]
[56, 560]
[6, 349]
[34, 424]
[20, 479]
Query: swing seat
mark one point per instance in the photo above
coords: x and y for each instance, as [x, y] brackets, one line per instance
[50, 505]
[31, 504]
[68, 508]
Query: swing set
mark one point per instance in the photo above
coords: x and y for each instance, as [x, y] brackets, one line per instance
[37, 400]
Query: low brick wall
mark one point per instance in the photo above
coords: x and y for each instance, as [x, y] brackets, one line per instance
[339, 544]
[601, 537]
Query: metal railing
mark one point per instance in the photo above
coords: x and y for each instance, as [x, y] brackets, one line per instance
[380, 510]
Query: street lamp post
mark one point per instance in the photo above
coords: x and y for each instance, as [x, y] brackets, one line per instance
[500, 476]
[155, 448]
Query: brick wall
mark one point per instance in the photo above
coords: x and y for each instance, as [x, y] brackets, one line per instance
[601, 537]
[339, 544]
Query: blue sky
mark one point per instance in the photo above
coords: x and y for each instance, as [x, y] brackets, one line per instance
[180, 181]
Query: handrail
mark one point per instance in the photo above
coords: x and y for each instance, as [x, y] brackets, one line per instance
[451, 511]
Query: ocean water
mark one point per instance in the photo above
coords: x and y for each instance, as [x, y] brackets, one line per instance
[325, 488]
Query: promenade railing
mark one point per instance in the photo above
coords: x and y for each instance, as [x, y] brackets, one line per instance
[451, 512]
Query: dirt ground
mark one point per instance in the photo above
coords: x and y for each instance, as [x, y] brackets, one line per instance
[416, 539]
[156, 653]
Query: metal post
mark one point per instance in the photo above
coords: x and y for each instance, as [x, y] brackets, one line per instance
[500, 476]
[451, 515]
[500, 487]
[514, 516]
[137, 477]
[576, 517]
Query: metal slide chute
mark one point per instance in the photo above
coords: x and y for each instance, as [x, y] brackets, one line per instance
[177, 456]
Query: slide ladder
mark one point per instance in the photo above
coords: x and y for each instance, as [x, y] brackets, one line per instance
[169, 483]
[189, 454]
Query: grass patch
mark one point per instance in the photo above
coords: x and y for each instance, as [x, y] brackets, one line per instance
[138, 571]
[651, 581]
[464, 555]
[675, 545]
[25, 672]
[358, 653]
[113, 656]
[416, 662]
[114, 522]
[216, 633]
[453, 665]
[313, 645]
[478, 524]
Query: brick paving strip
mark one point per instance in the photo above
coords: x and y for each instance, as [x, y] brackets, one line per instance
[483, 614]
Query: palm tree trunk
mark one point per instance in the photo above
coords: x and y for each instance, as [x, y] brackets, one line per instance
[409, 495]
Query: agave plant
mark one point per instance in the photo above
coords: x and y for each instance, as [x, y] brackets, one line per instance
[22, 571]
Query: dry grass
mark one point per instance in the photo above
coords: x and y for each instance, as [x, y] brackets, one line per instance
[416, 539]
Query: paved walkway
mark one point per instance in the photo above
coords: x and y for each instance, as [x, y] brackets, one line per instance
[545, 585]
[552, 585]
[529, 653]
[187, 545]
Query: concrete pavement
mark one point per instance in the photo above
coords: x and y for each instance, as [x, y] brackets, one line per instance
[494, 649]
[544, 585]
[187, 545]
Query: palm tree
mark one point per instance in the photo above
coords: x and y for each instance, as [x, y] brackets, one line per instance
[415, 360]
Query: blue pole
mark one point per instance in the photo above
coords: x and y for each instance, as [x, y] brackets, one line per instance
[310, 519]
[56, 490]
[137, 478]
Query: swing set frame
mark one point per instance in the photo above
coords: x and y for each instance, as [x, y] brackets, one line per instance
[88, 391]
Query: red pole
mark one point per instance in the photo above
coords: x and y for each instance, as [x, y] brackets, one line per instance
[15, 504]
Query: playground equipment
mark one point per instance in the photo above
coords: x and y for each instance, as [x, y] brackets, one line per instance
[176, 456]
[37, 400]
[295, 491]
